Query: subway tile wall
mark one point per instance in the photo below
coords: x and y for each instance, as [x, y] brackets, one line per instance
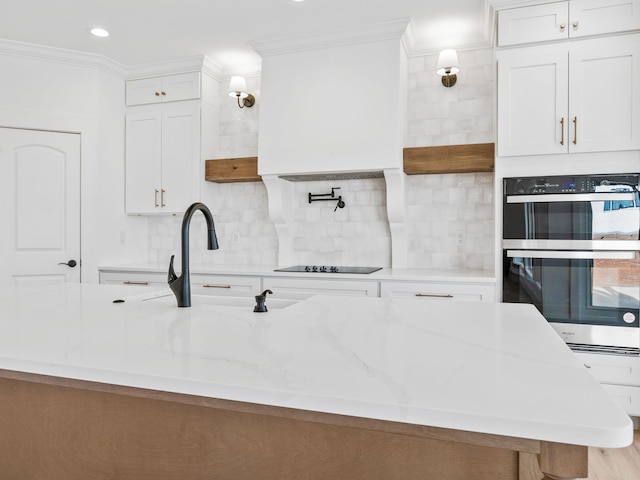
[449, 216]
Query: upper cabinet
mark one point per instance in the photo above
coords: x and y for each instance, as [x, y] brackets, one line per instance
[563, 20]
[167, 140]
[569, 97]
[162, 151]
[170, 88]
[559, 92]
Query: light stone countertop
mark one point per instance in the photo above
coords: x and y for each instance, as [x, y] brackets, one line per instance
[474, 366]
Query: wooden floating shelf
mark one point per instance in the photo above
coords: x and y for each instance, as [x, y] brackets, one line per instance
[228, 170]
[478, 157]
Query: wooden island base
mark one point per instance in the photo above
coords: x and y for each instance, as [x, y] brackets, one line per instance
[62, 429]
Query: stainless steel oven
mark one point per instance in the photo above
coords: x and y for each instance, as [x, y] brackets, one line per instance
[571, 247]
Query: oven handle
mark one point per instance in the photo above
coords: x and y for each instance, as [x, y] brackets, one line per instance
[572, 197]
[575, 254]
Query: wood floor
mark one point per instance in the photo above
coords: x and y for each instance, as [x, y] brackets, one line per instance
[618, 464]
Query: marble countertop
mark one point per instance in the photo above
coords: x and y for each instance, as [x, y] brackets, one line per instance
[475, 366]
[403, 274]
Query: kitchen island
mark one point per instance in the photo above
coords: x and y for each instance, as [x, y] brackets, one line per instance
[324, 388]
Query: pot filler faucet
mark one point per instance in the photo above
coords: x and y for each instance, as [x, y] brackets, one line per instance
[181, 285]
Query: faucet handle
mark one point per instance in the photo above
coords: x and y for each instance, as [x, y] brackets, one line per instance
[171, 277]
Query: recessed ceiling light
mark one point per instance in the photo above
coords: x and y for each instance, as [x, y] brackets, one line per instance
[99, 32]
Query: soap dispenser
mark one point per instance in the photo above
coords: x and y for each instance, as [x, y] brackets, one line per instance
[260, 299]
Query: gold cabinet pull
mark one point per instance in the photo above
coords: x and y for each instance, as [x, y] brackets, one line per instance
[434, 295]
[216, 286]
[156, 197]
[575, 130]
[562, 131]
[162, 192]
[131, 282]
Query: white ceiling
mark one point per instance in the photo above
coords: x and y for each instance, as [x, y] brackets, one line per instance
[150, 31]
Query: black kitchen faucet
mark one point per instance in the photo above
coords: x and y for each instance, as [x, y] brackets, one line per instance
[181, 286]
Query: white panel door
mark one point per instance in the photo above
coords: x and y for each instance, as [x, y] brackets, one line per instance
[39, 206]
[603, 94]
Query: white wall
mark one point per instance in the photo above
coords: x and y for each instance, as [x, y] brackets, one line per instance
[76, 93]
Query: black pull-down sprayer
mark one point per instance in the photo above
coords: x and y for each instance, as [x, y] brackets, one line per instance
[181, 286]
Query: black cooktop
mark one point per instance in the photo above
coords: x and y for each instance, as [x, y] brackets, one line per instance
[327, 269]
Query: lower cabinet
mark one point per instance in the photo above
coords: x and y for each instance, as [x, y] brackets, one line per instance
[301, 288]
[442, 290]
[619, 376]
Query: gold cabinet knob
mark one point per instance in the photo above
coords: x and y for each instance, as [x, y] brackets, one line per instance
[157, 94]
[563, 26]
[575, 24]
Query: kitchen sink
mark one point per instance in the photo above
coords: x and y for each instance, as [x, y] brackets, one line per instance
[167, 297]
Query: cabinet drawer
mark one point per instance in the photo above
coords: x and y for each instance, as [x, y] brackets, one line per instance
[627, 397]
[457, 291]
[614, 369]
[301, 288]
[140, 279]
[225, 285]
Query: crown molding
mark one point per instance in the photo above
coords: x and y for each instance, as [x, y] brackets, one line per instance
[370, 33]
[198, 63]
[62, 56]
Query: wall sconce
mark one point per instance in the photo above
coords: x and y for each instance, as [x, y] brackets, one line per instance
[448, 67]
[238, 89]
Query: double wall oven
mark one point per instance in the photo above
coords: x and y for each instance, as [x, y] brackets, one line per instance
[571, 247]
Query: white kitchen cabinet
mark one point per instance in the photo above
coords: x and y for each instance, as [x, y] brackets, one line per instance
[438, 290]
[169, 88]
[569, 98]
[162, 157]
[301, 288]
[563, 20]
[619, 375]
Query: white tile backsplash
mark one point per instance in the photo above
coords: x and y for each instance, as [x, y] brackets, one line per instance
[439, 207]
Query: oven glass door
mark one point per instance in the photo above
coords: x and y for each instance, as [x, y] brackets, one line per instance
[605, 216]
[581, 287]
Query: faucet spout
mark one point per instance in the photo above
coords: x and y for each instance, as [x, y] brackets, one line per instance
[181, 285]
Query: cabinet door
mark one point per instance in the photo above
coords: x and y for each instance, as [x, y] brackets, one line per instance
[537, 23]
[144, 91]
[185, 86]
[143, 159]
[180, 155]
[595, 17]
[532, 100]
[603, 93]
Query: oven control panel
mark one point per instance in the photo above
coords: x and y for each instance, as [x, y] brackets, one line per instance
[571, 184]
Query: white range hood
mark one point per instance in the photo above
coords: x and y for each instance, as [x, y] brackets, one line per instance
[333, 106]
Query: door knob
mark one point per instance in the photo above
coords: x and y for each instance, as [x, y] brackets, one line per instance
[71, 263]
